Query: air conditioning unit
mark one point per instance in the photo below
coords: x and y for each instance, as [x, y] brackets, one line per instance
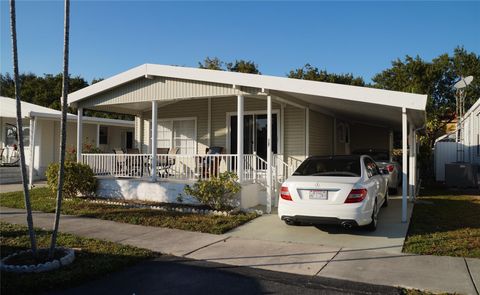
[462, 174]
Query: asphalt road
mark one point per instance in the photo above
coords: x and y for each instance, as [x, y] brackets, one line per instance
[173, 275]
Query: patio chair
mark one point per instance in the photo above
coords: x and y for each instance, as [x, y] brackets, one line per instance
[165, 163]
[209, 166]
[120, 162]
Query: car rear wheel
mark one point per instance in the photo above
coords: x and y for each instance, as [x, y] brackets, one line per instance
[372, 226]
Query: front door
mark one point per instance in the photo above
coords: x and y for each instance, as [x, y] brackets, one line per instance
[255, 134]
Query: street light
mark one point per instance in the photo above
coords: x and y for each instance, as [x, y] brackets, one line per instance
[460, 111]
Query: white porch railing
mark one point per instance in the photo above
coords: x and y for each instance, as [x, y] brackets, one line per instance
[187, 167]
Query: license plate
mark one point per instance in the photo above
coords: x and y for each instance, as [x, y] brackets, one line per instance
[318, 195]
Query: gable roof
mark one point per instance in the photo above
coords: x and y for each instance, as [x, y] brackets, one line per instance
[8, 109]
[303, 87]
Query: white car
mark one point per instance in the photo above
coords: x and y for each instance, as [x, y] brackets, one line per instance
[344, 190]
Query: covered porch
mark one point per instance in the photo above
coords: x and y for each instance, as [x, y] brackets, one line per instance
[262, 127]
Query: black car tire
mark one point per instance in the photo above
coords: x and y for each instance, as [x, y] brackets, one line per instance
[372, 226]
[385, 203]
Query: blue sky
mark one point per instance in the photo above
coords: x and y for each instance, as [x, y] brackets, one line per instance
[362, 38]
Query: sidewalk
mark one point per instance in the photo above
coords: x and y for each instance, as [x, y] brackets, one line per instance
[373, 266]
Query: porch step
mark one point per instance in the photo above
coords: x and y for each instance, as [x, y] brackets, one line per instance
[10, 175]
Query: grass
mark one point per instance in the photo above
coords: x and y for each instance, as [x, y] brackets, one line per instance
[42, 200]
[93, 259]
[445, 223]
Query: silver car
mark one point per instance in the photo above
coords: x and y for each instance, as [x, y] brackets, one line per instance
[382, 159]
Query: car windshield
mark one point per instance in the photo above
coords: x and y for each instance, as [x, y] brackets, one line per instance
[333, 166]
[377, 156]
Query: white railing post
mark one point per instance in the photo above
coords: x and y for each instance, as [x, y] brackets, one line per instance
[33, 130]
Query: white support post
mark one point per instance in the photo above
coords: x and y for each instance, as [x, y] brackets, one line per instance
[282, 130]
[307, 132]
[334, 136]
[141, 129]
[269, 154]
[414, 166]
[404, 164]
[98, 136]
[390, 145]
[209, 118]
[240, 139]
[33, 130]
[410, 162]
[154, 140]
[79, 134]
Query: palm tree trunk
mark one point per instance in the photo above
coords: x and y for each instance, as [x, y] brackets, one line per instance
[26, 192]
[63, 138]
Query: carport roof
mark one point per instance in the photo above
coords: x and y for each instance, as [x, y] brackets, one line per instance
[360, 103]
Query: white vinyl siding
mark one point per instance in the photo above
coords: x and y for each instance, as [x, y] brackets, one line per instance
[321, 134]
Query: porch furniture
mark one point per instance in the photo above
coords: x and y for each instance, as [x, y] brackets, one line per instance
[120, 161]
[12, 161]
[209, 166]
[165, 163]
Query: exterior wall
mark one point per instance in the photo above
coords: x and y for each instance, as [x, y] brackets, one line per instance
[48, 142]
[321, 134]
[365, 137]
[471, 136]
[294, 130]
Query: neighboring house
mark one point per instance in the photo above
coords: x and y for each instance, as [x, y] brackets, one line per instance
[248, 117]
[42, 130]
[447, 150]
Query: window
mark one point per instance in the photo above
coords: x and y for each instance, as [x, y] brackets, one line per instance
[179, 133]
[344, 166]
[103, 136]
[343, 133]
[11, 136]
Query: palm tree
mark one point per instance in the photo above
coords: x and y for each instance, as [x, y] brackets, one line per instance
[26, 192]
[63, 138]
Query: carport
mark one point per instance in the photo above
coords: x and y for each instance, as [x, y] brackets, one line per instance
[311, 118]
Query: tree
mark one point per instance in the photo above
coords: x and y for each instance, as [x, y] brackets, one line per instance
[212, 64]
[308, 72]
[26, 193]
[63, 136]
[241, 65]
[436, 79]
[42, 90]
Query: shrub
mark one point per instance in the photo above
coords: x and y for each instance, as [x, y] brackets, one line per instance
[217, 192]
[79, 179]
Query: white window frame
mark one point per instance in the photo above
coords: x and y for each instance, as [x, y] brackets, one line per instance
[171, 120]
[257, 112]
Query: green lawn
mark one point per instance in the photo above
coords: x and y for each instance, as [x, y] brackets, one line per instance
[42, 200]
[445, 223]
[93, 259]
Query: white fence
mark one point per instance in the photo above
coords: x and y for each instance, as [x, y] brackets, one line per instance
[186, 167]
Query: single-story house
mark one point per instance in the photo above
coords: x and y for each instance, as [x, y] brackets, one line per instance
[42, 130]
[462, 145]
[263, 125]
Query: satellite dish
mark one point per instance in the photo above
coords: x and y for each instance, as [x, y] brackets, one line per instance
[463, 82]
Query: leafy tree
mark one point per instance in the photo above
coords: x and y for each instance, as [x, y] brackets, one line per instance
[16, 86]
[212, 64]
[43, 91]
[308, 72]
[241, 65]
[436, 79]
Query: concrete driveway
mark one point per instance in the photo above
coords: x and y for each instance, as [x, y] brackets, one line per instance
[388, 237]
